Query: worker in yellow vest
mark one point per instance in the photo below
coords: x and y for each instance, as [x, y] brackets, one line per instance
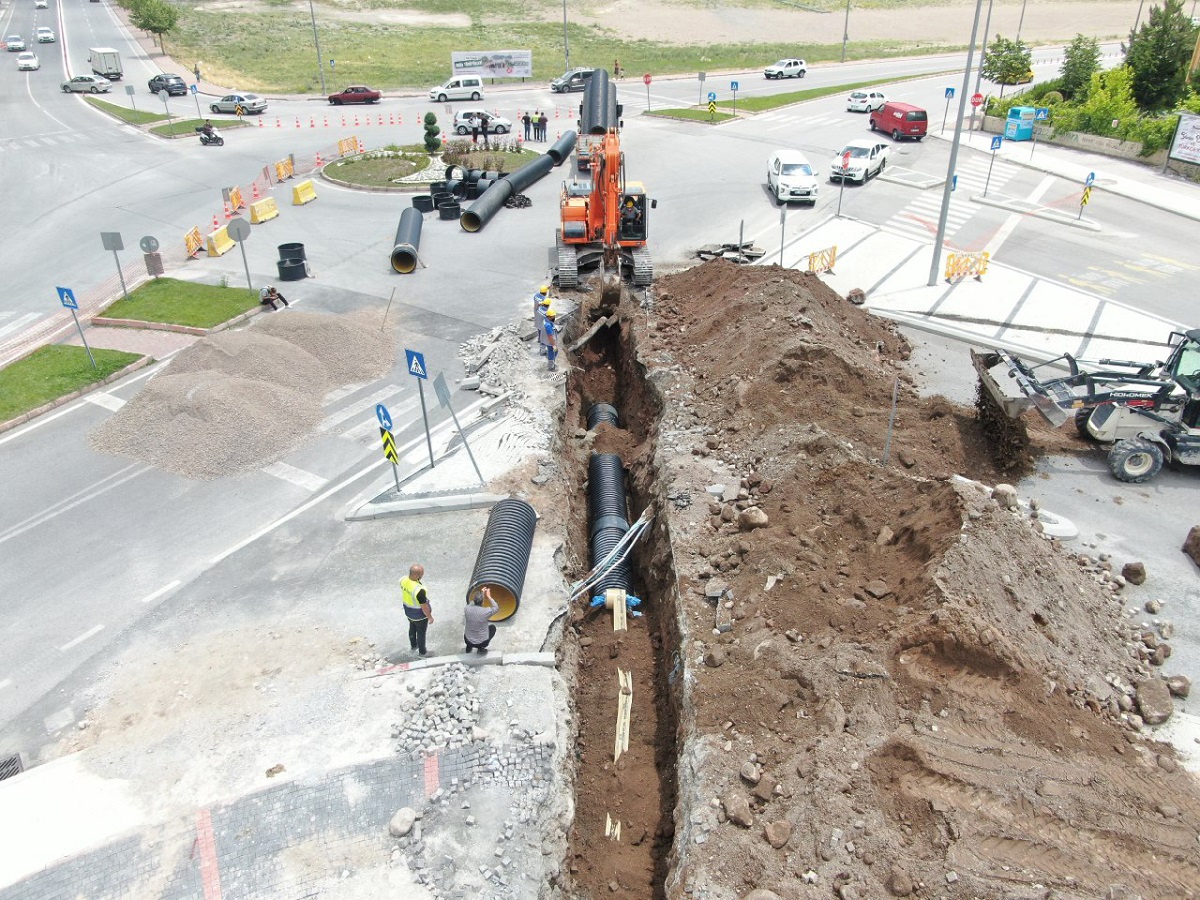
[416, 608]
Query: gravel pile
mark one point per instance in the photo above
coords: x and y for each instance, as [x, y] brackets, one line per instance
[443, 715]
[511, 367]
[216, 409]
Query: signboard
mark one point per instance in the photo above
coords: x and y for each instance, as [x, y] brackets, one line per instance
[67, 297]
[493, 63]
[712, 106]
[977, 100]
[1090, 180]
[1186, 146]
[442, 390]
[949, 93]
[384, 417]
[1041, 114]
[389, 446]
[733, 85]
[416, 364]
[193, 88]
[646, 78]
[712, 97]
[996, 142]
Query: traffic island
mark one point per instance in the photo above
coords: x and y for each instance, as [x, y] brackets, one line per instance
[168, 304]
[51, 376]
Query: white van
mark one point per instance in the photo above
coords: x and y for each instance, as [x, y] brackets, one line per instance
[463, 87]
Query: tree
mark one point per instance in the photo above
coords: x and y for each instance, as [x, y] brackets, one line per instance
[1006, 62]
[1109, 99]
[433, 139]
[1081, 60]
[155, 17]
[1159, 54]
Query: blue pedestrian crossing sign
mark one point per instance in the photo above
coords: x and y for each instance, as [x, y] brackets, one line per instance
[733, 85]
[996, 142]
[949, 93]
[416, 363]
[193, 88]
[384, 417]
[1041, 113]
[712, 95]
[67, 297]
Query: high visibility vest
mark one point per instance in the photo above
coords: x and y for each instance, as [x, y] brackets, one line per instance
[408, 592]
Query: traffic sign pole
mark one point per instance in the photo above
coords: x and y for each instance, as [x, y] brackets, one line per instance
[67, 298]
[949, 97]
[196, 96]
[842, 180]
[425, 416]
[996, 141]
[443, 394]
[646, 80]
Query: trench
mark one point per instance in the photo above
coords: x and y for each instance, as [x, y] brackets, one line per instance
[638, 790]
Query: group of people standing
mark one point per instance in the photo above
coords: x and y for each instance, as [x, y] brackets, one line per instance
[478, 631]
[535, 124]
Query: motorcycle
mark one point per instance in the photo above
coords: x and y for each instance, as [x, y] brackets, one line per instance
[213, 138]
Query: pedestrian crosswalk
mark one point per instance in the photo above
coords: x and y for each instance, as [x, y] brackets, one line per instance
[41, 141]
[919, 218]
[777, 121]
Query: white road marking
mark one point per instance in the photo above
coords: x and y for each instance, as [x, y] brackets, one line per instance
[90, 633]
[298, 477]
[88, 493]
[162, 590]
[359, 408]
[18, 324]
[7, 682]
[108, 401]
[370, 427]
[1011, 223]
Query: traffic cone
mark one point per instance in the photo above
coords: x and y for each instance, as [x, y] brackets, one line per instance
[312, 123]
[443, 139]
[392, 119]
[216, 224]
[278, 124]
[381, 120]
[297, 121]
[400, 119]
[556, 112]
[558, 136]
[343, 120]
[260, 122]
[319, 163]
[228, 211]
[325, 119]
[361, 148]
[356, 120]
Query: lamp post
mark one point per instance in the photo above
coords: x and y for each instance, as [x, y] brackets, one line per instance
[1021, 21]
[983, 50]
[846, 31]
[317, 40]
[566, 43]
[1138, 19]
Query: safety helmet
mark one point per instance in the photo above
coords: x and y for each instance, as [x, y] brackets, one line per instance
[629, 202]
[543, 301]
[549, 312]
[544, 290]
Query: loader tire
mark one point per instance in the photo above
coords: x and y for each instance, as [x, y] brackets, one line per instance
[1135, 460]
[1081, 423]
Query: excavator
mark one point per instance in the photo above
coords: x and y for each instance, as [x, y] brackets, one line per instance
[605, 223]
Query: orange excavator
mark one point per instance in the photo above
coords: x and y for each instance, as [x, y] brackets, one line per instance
[605, 223]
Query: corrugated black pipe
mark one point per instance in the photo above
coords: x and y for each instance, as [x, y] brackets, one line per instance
[594, 110]
[408, 239]
[562, 148]
[606, 490]
[620, 575]
[504, 555]
[602, 413]
[492, 200]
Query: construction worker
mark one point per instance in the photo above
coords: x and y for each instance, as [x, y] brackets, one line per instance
[541, 302]
[551, 339]
[416, 608]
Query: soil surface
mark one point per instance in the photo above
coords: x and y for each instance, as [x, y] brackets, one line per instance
[893, 683]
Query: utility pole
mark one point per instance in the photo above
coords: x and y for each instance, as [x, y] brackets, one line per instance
[317, 40]
[935, 266]
[566, 44]
[1021, 21]
[1138, 20]
[983, 50]
[846, 31]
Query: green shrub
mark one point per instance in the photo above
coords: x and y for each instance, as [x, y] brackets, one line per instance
[1052, 98]
[433, 138]
[1154, 133]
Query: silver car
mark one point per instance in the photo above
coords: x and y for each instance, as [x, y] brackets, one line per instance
[86, 84]
[27, 62]
[496, 124]
[15, 43]
[46, 35]
[249, 103]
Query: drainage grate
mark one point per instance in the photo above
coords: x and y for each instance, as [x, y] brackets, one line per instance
[10, 766]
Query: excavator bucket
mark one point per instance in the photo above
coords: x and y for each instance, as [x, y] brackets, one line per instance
[1011, 390]
[610, 287]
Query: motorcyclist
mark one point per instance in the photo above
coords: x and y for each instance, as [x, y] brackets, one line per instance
[207, 130]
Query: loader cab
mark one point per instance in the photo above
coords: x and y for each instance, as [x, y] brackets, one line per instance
[633, 216]
[1185, 360]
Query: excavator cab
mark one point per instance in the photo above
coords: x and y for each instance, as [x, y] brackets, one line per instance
[632, 226]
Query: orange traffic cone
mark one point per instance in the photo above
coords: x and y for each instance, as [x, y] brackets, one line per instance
[297, 121]
[361, 148]
[278, 124]
[319, 163]
[228, 211]
[443, 139]
[381, 120]
[556, 112]
[312, 123]
[392, 119]
[400, 119]
[356, 120]
[254, 190]
[343, 120]
[325, 120]
[216, 224]
[260, 122]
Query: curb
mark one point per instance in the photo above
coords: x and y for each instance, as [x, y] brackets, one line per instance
[418, 506]
[140, 325]
[545, 660]
[75, 395]
[1040, 212]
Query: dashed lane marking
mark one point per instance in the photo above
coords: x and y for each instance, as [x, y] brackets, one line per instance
[357, 408]
[90, 633]
[298, 477]
[108, 401]
[162, 590]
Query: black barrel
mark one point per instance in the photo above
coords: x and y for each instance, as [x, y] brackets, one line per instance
[423, 203]
[442, 196]
[408, 239]
[436, 186]
[479, 188]
[292, 269]
[455, 171]
[619, 576]
[562, 148]
[504, 555]
[474, 175]
[602, 414]
[492, 200]
[491, 175]
[606, 490]
[455, 187]
[292, 251]
[449, 210]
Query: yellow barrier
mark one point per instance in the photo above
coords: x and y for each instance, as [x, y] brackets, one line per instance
[967, 265]
[219, 242]
[284, 169]
[822, 260]
[236, 200]
[347, 145]
[263, 210]
[193, 242]
[303, 192]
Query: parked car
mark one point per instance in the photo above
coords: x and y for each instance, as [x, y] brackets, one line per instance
[172, 84]
[573, 80]
[27, 62]
[356, 93]
[786, 68]
[496, 124]
[900, 120]
[868, 157]
[865, 101]
[791, 177]
[15, 43]
[86, 84]
[1023, 78]
[46, 35]
[40, 4]
[464, 87]
[250, 103]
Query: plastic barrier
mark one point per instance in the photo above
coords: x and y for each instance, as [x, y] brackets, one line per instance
[347, 145]
[967, 265]
[236, 201]
[263, 210]
[193, 242]
[219, 242]
[304, 192]
[822, 260]
[285, 168]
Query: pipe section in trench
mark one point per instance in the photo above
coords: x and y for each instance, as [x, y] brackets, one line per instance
[492, 200]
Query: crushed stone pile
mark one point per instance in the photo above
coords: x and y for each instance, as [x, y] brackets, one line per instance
[513, 367]
[215, 410]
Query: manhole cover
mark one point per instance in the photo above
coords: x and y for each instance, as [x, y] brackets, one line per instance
[10, 766]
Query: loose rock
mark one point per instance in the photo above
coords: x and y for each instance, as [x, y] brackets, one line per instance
[1134, 572]
[737, 810]
[749, 519]
[778, 834]
[714, 658]
[1179, 686]
[1154, 701]
[402, 822]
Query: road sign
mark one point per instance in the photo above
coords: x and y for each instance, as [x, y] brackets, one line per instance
[700, 76]
[130, 90]
[1090, 179]
[845, 160]
[389, 446]
[149, 244]
[712, 107]
[996, 142]
[954, 183]
[442, 390]
[733, 85]
[384, 417]
[949, 93]
[416, 363]
[712, 96]
[67, 297]
[111, 240]
[238, 229]
[646, 78]
[195, 89]
[1087, 197]
[1041, 113]
[977, 100]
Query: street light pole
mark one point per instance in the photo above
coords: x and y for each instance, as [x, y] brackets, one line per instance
[1138, 20]
[320, 66]
[983, 50]
[566, 43]
[846, 31]
[958, 124]
[1021, 21]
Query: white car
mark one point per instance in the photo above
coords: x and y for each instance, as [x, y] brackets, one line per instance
[786, 68]
[27, 62]
[868, 156]
[87, 84]
[791, 177]
[39, 4]
[496, 124]
[865, 101]
[14, 43]
[46, 35]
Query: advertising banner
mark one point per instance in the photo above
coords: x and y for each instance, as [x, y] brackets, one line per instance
[493, 63]
[1187, 140]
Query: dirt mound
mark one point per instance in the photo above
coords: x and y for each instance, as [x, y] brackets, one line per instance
[353, 348]
[256, 355]
[892, 683]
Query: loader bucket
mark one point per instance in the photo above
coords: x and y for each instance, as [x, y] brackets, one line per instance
[1011, 391]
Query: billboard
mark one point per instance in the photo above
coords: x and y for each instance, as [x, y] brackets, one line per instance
[493, 63]
[1186, 146]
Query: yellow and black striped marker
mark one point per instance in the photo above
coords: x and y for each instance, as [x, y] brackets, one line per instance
[389, 446]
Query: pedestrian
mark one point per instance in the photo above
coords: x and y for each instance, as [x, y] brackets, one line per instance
[270, 296]
[543, 120]
[617, 70]
[551, 339]
[526, 120]
[416, 608]
[474, 129]
[537, 126]
[484, 121]
[541, 302]
[477, 630]
[196, 70]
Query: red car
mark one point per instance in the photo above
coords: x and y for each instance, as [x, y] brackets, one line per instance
[356, 93]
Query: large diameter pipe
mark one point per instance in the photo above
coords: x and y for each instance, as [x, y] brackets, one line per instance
[561, 150]
[594, 109]
[408, 239]
[504, 556]
[492, 200]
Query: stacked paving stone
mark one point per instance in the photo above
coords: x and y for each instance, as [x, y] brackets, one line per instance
[442, 716]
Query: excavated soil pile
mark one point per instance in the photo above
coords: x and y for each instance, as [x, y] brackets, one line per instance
[894, 685]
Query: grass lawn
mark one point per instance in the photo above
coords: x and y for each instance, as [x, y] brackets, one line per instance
[189, 126]
[762, 104]
[125, 114]
[699, 114]
[53, 372]
[183, 303]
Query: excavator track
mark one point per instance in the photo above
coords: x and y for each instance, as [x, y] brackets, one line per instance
[568, 264]
[643, 267]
